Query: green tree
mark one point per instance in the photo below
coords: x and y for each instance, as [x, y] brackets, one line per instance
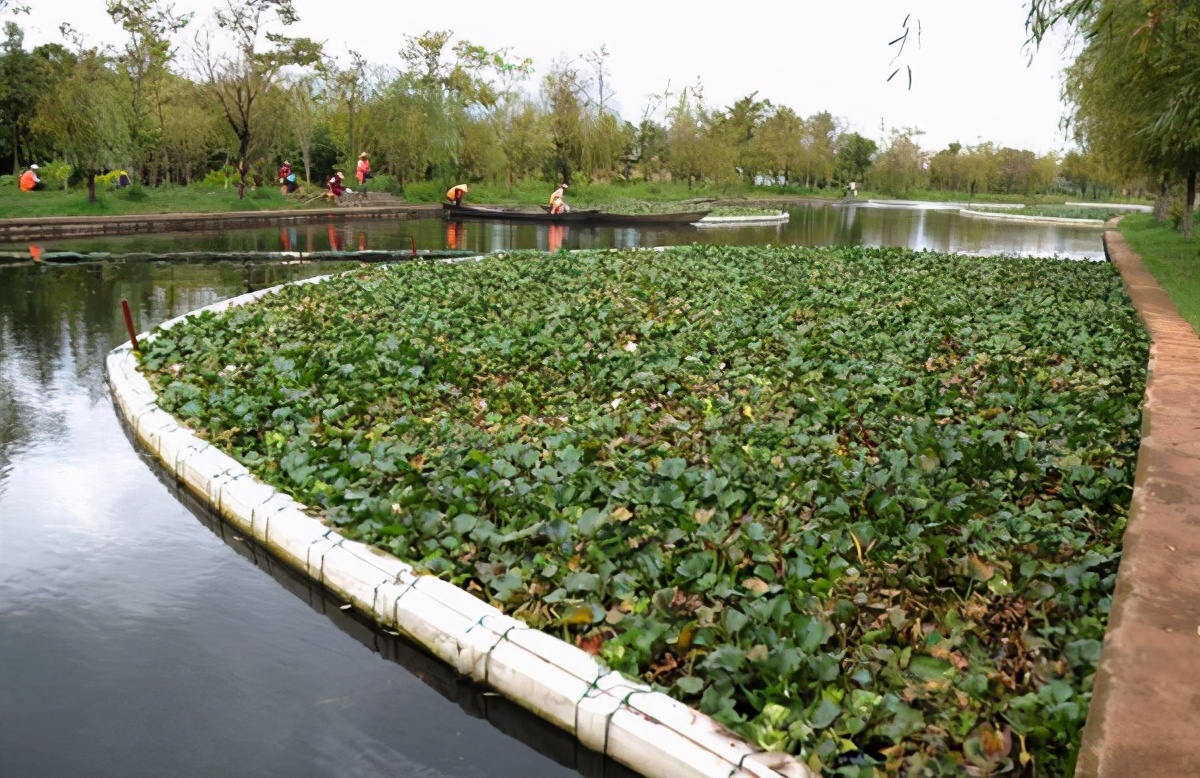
[781, 141]
[563, 98]
[144, 63]
[900, 168]
[1135, 86]
[236, 81]
[25, 77]
[855, 154]
[84, 116]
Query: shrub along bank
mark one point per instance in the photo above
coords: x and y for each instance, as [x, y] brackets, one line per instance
[861, 504]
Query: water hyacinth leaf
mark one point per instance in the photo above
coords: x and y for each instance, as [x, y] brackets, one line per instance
[588, 613]
[820, 458]
[824, 714]
[582, 582]
[929, 668]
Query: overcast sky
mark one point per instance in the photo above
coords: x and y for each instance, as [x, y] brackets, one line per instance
[971, 81]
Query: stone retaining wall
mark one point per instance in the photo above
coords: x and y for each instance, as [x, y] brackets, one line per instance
[1144, 718]
[50, 227]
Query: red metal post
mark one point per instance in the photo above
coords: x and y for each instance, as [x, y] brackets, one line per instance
[414, 246]
[129, 324]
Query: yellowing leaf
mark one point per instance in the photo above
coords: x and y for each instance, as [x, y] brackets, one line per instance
[580, 614]
[756, 585]
[704, 516]
[621, 514]
[686, 636]
[980, 570]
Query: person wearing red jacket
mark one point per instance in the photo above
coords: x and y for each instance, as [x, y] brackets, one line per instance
[363, 171]
[336, 185]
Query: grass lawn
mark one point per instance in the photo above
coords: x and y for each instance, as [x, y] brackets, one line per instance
[201, 199]
[167, 199]
[1173, 261]
[864, 505]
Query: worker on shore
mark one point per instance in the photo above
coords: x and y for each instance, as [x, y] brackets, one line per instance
[557, 204]
[363, 171]
[287, 179]
[336, 187]
[29, 180]
[456, 193]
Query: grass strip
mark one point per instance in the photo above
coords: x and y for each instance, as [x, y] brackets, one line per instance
[1173, 261]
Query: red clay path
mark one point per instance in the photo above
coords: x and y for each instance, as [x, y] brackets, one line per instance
[1144, 718]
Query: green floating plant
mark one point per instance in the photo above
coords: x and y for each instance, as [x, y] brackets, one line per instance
[861, 504]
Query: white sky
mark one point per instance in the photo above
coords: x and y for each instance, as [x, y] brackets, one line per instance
[971, 77]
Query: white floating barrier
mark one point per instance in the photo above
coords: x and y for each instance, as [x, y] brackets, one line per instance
[622, 718]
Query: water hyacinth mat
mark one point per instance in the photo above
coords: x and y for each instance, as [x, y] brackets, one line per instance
[864, 505]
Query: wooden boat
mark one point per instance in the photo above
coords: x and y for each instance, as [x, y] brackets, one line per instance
[507, 214]
[607, 219]
[648, 219]
[599, 218]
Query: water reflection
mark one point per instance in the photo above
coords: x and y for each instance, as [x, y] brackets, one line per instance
[474, 700]
[936, 228]
[132, 643]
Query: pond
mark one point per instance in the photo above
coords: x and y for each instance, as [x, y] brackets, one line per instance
[139, 637]
[937, 229]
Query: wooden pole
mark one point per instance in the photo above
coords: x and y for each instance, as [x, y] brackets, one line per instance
[129, 324]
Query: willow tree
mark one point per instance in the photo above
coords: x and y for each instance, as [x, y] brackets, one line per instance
[1135, 86]
[235, 81]
[84, 115]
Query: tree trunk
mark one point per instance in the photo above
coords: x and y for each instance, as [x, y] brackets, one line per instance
[243, 165]
[1160, 205]
[91, 184]
[306, 154]
[1189, 205]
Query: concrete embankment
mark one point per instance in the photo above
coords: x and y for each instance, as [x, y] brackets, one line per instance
[1144, 718]
[50, 227]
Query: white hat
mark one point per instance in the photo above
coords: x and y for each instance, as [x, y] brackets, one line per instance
[33, 167]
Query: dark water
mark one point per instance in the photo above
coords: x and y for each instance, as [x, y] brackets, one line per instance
[134, 641]
[140, 638]
[938, 229]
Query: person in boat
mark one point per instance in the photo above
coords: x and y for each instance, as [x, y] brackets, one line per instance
[456, 193]
[363, 171]
[287, 179]
[557, 204]
[29, 180]
[337, 186]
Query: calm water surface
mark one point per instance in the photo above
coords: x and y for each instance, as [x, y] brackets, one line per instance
[938, 229]
[133, 640]
[140, 638]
